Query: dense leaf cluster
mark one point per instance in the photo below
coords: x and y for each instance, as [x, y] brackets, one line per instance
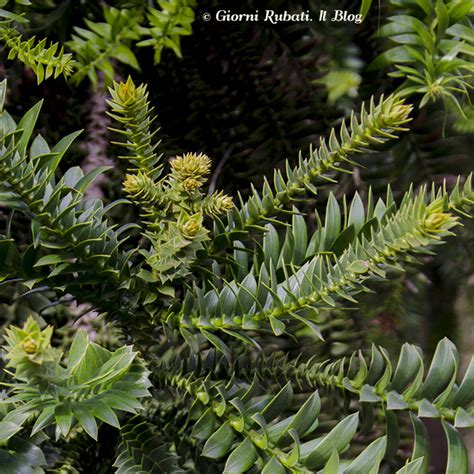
[282, 286]
[96, 48]
[434, 42]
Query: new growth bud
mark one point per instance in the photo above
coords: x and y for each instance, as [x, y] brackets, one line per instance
[400, 114]
[126, 91]
[436, 220]
[191, 184]
[131, 184]
[141, 187]
[227, 203]
[191, 226]
[190, 165]
[30, 346]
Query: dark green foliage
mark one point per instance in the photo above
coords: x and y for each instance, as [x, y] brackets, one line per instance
[93, 385]
[45, 61]
[372, 381]
[22, 454]
[434, 42]
[376, 126]
[141, 450]
[296, 275]
[247, 92]
[288, 284]
[96, 48]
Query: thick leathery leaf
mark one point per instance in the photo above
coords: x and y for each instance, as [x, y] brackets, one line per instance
[443, 366]
[86, 420]
[219, 444]
[27, 124]
[273, 467]
[457, 453]
[370, 458]
[64, 417]
[412, 467]
[45, 419]
[465, 393]
[204, 427]
[21, 456]
[315, 453]
[103, 412]
[357, 213]
[279, 403]
[408, 366]
[421, 443]
[463, 419]
[306, 414]
[392, 434]
[333, 220]
[242, 458]
[8, 429]
[332, 466]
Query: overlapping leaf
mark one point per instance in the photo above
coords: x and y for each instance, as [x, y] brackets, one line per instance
[295, 279]
[94, 385]
[433, 52]
[377, 124]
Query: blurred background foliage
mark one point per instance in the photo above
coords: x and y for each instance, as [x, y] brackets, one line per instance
[250, 95]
